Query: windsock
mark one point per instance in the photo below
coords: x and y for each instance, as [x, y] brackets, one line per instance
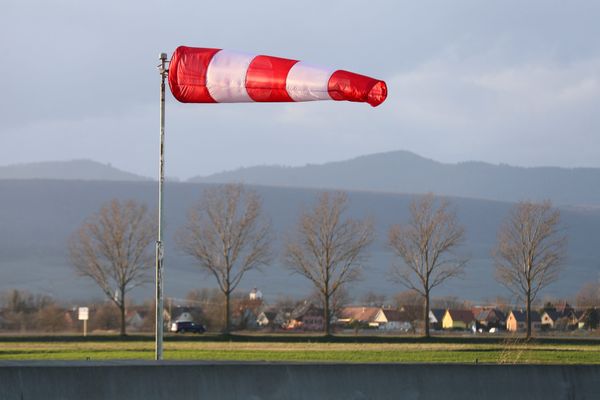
[201, 75]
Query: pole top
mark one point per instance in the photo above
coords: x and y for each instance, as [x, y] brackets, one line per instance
[162, 67]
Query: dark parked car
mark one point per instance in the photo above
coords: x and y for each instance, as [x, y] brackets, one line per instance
[187, 326]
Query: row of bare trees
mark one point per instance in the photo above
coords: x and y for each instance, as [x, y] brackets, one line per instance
[228, 235]
[22, 311]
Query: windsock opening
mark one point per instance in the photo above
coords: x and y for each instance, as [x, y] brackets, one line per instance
[345, 85]
[377, 94]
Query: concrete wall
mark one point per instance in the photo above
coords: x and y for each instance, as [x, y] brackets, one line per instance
[253, 381]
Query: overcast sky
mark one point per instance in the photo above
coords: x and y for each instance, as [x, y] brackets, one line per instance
[514, 82]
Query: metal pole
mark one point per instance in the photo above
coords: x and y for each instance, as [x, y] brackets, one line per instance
[159, 243]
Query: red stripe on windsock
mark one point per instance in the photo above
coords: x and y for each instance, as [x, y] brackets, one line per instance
[187, 74]
[344, 85]
[266, 79]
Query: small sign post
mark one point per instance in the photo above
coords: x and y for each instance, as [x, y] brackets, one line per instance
[83, 316]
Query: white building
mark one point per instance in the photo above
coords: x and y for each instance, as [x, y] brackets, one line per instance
[255, 294]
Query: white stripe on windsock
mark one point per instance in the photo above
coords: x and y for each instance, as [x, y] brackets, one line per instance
[306, 82]
[226, 76]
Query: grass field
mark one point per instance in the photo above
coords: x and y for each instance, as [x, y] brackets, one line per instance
[306, 349]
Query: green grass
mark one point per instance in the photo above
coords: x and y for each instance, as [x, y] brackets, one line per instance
[306, 349]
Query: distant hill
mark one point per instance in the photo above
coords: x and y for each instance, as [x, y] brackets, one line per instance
[86, 170]
[38, 216]
[405, 172]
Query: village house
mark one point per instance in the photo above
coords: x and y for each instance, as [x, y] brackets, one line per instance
[576, 318]
[436, 316]
[244, 314]
[266, 319]
[392, 320]
[549, 319]
[516, 320]
[361, 315]
[307, 317]
[552, 319]
[283, 317]
[458, 319]
[255, 294]
[561, 317]
[564, 309]
[244, 318]
[489, 318]
[589, 319]
[136, 318]
[184, 316]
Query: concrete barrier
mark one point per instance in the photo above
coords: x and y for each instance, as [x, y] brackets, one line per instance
[133, 380]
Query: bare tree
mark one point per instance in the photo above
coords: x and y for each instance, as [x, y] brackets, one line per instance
[21, 307]
[329, 250]
[228, 236]
[51, 318]
[530, 251]
[426, 247]
[111, 248]
[337, 301]
[373, 299]
[450, 302]
[411, 303]
[409, 297]
[589, 295]
[104, 317]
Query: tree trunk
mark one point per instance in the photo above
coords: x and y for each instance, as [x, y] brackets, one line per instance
[227, 313]
[528, 315]
[326, 317]
[426, 314]
[122, 312]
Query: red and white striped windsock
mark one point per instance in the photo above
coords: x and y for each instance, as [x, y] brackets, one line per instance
[199, 75]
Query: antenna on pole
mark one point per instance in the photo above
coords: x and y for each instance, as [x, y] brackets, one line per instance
[159, 327]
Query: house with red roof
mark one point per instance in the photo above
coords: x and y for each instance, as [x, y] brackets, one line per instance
[362, 315]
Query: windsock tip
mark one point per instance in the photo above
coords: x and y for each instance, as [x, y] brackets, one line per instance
[377, 94]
